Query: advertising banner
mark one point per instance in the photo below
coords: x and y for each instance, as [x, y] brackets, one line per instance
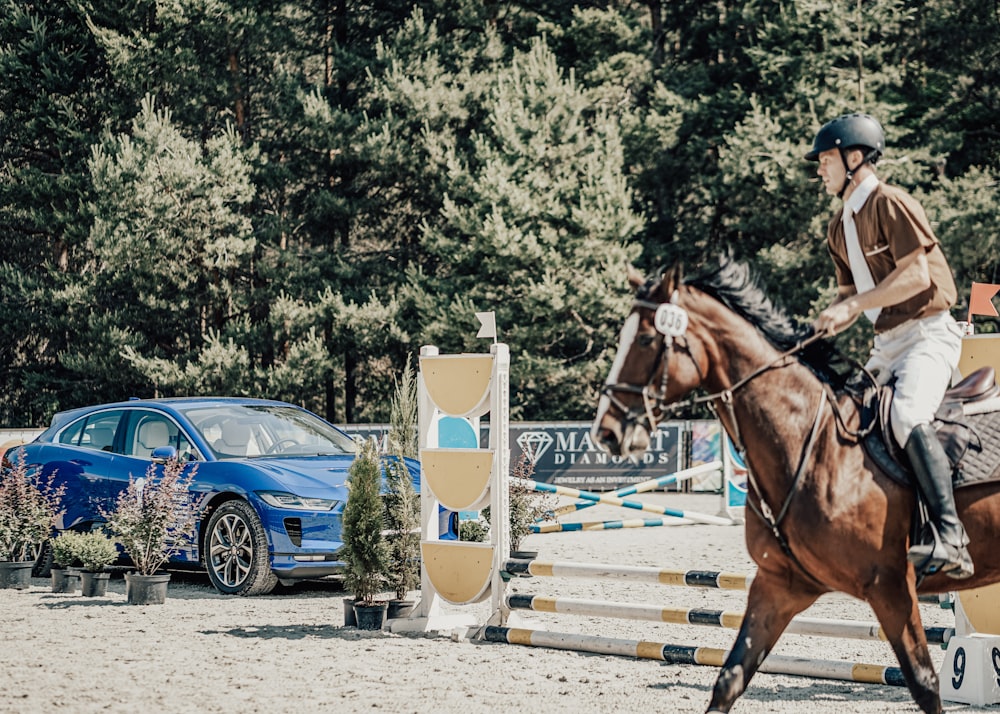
[565, 455]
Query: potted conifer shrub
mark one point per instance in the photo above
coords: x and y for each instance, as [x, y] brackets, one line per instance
[64, 573]
[364, 551]
[402, 502]
[29, 508]
[402, 537]
[95, 551]
[150, 518]
[526, 507]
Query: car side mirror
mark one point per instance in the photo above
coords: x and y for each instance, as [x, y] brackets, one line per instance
[163, 454]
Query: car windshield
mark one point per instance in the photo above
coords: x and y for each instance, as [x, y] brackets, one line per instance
[241, 431]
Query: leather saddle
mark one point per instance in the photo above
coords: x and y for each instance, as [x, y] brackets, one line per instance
[978, 393]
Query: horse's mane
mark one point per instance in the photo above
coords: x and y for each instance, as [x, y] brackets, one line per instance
[734, 285]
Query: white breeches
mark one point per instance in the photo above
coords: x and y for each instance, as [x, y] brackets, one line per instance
[923, 357]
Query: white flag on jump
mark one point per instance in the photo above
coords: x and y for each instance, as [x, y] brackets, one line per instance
[488, 320]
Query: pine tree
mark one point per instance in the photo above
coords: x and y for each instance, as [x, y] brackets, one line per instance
[535, 227]
[172, 252]
[55, 97]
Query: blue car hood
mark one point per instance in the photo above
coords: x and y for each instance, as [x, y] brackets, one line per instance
[310, 476]
[305, 475]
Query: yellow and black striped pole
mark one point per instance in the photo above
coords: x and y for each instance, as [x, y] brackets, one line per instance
[683, 654]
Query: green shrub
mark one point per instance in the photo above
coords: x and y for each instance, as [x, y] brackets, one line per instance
[402, 522]
[526, 506]
[402, 502]
[94, 551]
[473, 531]
[64, 549]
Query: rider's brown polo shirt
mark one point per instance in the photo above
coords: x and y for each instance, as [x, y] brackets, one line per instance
[891, 225]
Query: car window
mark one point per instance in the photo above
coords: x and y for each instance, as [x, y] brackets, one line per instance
[238, 437]
[150, 431]
[275, 430]
[95, 431]
[71, 434]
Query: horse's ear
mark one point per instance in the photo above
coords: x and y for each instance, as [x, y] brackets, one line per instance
[672, 279]
[635, 278]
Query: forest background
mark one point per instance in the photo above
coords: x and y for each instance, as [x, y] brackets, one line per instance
[287, 199]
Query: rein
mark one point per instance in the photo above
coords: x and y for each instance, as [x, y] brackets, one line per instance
[764, 512]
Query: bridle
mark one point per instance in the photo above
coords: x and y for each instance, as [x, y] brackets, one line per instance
[655, 406]
[654, 399]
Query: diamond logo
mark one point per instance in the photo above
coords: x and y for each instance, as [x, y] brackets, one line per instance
[534, 444]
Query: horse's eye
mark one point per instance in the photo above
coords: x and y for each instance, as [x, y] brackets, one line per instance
[646, 340]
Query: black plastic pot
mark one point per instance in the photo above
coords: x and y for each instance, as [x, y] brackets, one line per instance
[350, 619]
[146, 589]
[94, 584]
[371, 617]
[64, 580]
[15, 574]
[400, 608]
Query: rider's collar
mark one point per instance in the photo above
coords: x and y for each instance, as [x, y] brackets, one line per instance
[859, 196]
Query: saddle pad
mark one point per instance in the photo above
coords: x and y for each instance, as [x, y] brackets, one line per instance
[981, 465]
[981, 461]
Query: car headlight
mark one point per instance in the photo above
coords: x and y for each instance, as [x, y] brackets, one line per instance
[282, 499]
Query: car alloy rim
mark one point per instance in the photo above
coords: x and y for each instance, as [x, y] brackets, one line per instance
[231, 550]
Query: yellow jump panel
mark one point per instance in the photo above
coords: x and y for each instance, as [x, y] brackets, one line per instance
[979, 351]
[458, 384]
[459, 571]
[980, 606]
[458, 478]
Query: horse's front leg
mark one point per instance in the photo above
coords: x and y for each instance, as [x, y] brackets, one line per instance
[771, 604]
[897, 608]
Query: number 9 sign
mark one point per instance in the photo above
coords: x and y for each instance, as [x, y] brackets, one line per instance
[958, 667]
[970, 672]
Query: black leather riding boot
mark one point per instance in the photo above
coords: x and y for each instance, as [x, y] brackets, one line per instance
[947, 553]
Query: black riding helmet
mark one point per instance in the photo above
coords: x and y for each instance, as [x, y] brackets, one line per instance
[846, 132]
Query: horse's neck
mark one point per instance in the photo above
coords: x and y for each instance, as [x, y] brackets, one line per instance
[738, 353]
[771, 414]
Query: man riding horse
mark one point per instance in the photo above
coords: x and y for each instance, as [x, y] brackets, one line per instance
[890, 266]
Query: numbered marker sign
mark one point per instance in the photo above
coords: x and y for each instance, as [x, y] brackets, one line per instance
[670, 320]
[970, 673]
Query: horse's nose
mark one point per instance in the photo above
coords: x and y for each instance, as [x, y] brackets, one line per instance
[621, 439]
[606, 433]
[636, 441]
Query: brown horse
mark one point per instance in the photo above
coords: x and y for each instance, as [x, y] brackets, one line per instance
[821, 516]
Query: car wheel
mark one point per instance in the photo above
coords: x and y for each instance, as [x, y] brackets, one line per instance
[43, 561]
[236, 554]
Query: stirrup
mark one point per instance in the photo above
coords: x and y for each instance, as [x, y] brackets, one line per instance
[937, 556]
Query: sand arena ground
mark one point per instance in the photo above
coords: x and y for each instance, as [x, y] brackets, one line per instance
[289, 652]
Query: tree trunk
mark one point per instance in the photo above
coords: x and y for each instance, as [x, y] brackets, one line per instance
[350, 387]
[656, 22]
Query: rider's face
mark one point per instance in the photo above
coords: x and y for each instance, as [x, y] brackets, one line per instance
[831, 170]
